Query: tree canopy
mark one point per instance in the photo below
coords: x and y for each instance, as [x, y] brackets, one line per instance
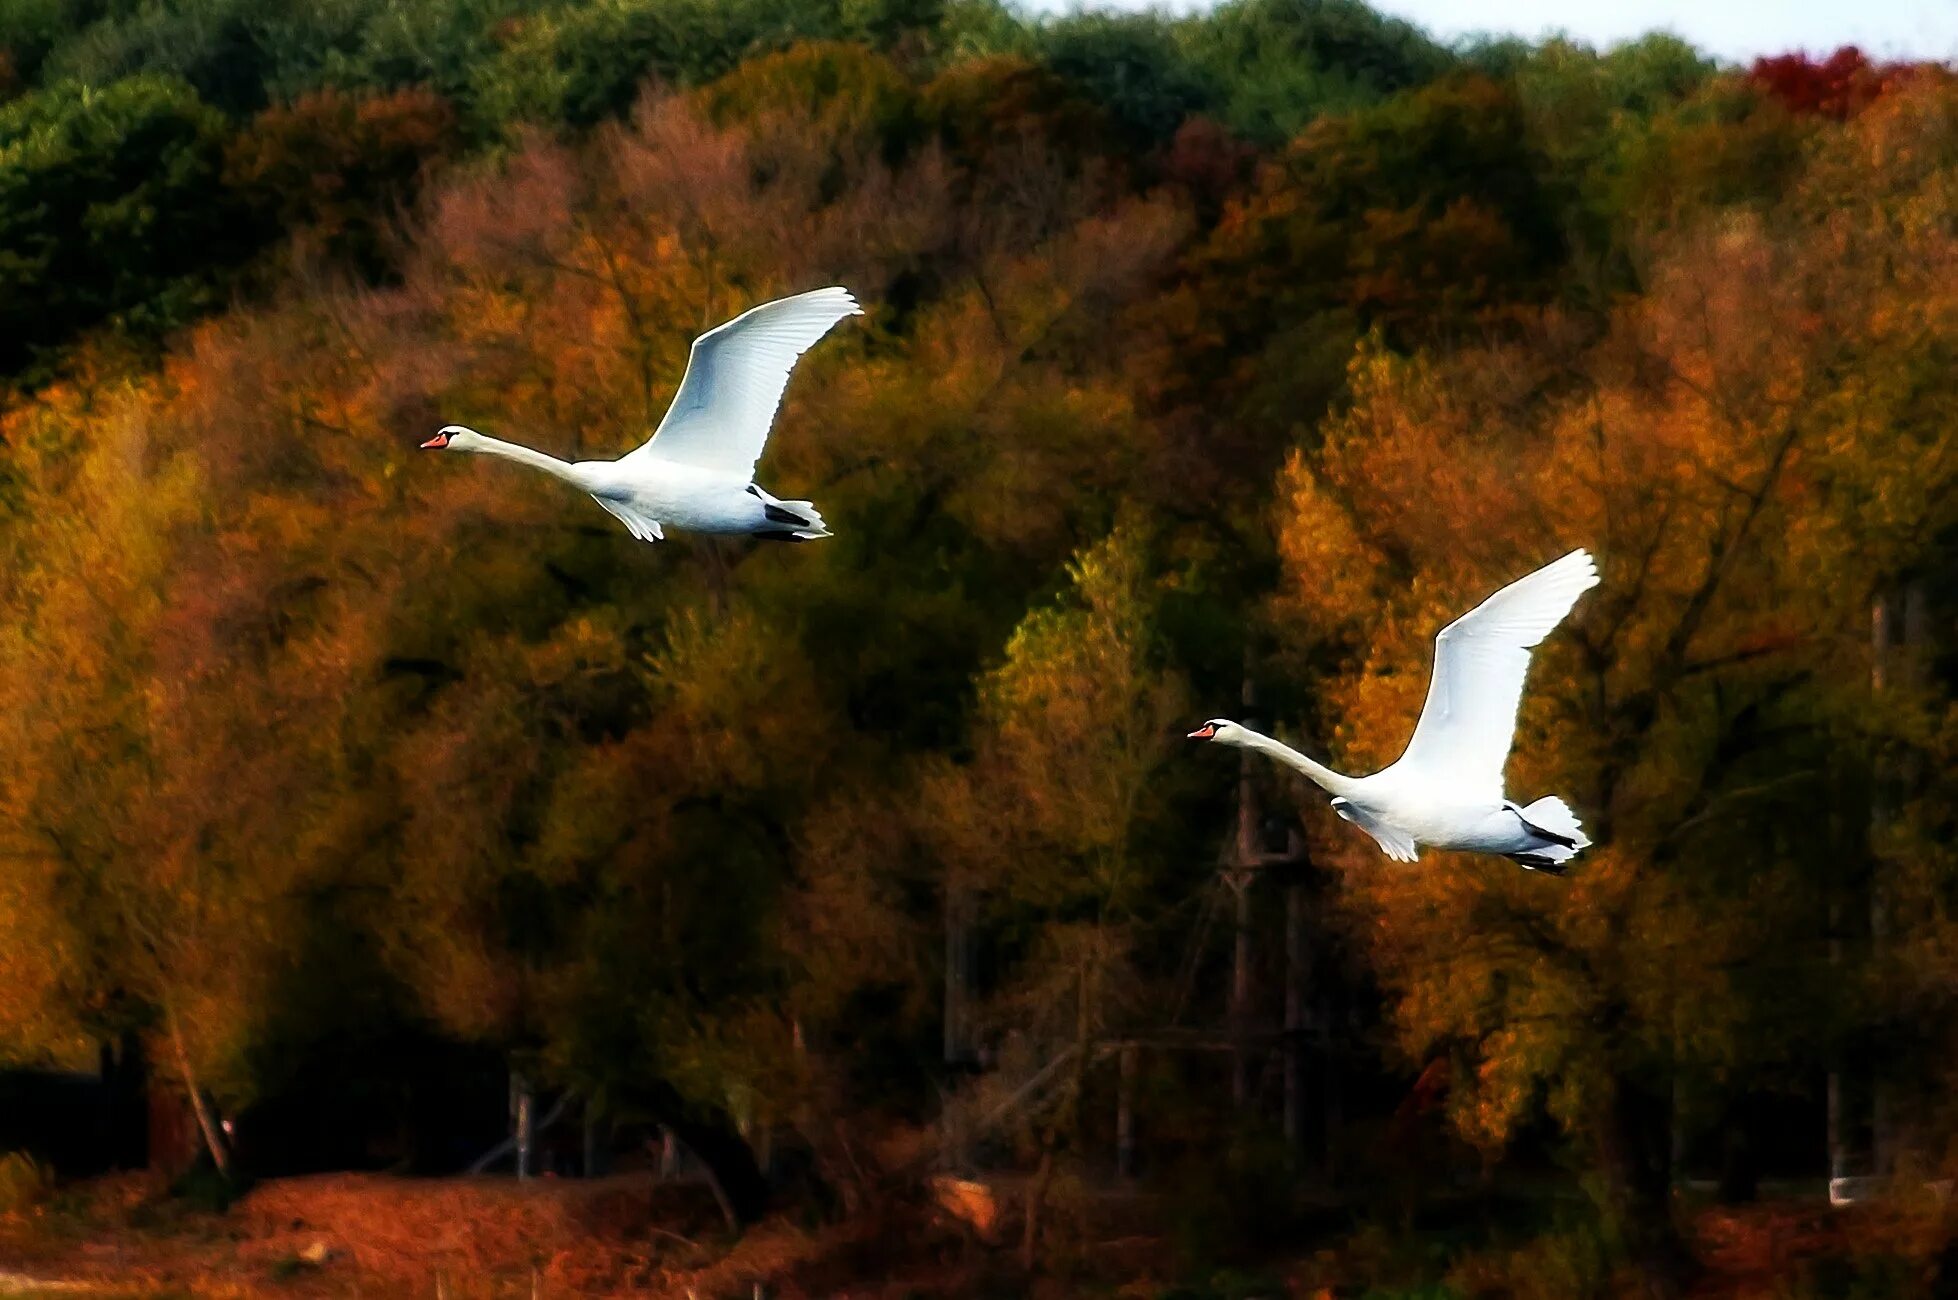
[1209, 363]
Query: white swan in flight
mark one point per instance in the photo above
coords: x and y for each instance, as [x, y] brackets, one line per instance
[697, 470]
[1446, 789]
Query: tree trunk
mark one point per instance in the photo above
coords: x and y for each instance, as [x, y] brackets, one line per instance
[1240, 1009]
[523, 1114]
[594, 1145]
[1883, 613]
[1243, 870]
[1297, 964]
[1835, 1116]
[1125, 1113]
[959, 1053]
[709, 1134]
[1036, 1201]
[1331, 1119]
[1635, 1140]
[206, 1122]
[958, 975]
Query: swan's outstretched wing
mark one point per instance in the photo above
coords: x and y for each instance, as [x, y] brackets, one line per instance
[1393, 841]
[1462, 740]
[735, 376]
[642, 526]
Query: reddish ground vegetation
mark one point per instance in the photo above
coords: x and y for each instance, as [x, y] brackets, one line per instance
[1756, 1250]
[353, 1234]
[347, 1234]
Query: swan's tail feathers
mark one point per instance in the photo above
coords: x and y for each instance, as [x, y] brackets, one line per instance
[1551, 861]
[799, 520]
[1551, 818]
[799, 517]
[1558, 836]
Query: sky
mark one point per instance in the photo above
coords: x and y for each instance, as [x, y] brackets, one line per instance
[1732, 30]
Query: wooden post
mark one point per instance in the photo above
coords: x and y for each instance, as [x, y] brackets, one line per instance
[958, 1017]
[1297, 970]
[1329, 1092]
[958, 974]
[524, 1108]
[1240, 1009]
[1242, 872]
[1898, 664]
[1125, 1113]
[594, 1149]
[1838, 1139]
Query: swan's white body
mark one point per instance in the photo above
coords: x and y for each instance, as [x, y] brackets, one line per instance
[697, 470]
[1446, 789]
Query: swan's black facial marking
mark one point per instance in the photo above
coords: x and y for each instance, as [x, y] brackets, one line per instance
[754, 491]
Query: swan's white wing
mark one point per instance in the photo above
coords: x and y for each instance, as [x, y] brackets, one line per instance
[735, 376]
[1462, 740]
[1393, 841]
[642, 526]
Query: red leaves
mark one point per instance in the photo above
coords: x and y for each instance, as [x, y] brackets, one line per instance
[1837, 87]
[335, 164]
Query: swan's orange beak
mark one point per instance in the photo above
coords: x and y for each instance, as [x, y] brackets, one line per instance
[436, 443]
[1205, 732]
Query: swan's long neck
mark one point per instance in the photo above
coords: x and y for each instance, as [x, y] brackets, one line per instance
[523, 456]
[1319, 774]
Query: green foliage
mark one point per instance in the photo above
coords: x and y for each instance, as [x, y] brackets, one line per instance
[242, 54]
[28, 30]
[853, 97]
[1873, 1276]
[1576, 1258]
[1591, 117]
[388, 44]
[110, 202]
[1133, 67]
[1726, 145]
[585, 64]
[1283, 63]
[983, 111]
[1419, 217]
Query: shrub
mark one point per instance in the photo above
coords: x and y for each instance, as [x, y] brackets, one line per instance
[23, 1181]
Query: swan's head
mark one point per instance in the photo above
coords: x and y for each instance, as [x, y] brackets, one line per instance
[454, 437]
[1221, 730]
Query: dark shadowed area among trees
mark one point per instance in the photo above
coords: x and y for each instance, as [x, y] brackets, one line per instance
[363, 810]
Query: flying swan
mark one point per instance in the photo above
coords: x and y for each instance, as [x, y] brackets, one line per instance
[697, 470]
[1446, 789]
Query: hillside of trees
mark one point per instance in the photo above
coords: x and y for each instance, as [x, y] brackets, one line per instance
[1210, 366]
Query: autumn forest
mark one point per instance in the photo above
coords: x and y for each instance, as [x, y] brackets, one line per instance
[389, 813]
